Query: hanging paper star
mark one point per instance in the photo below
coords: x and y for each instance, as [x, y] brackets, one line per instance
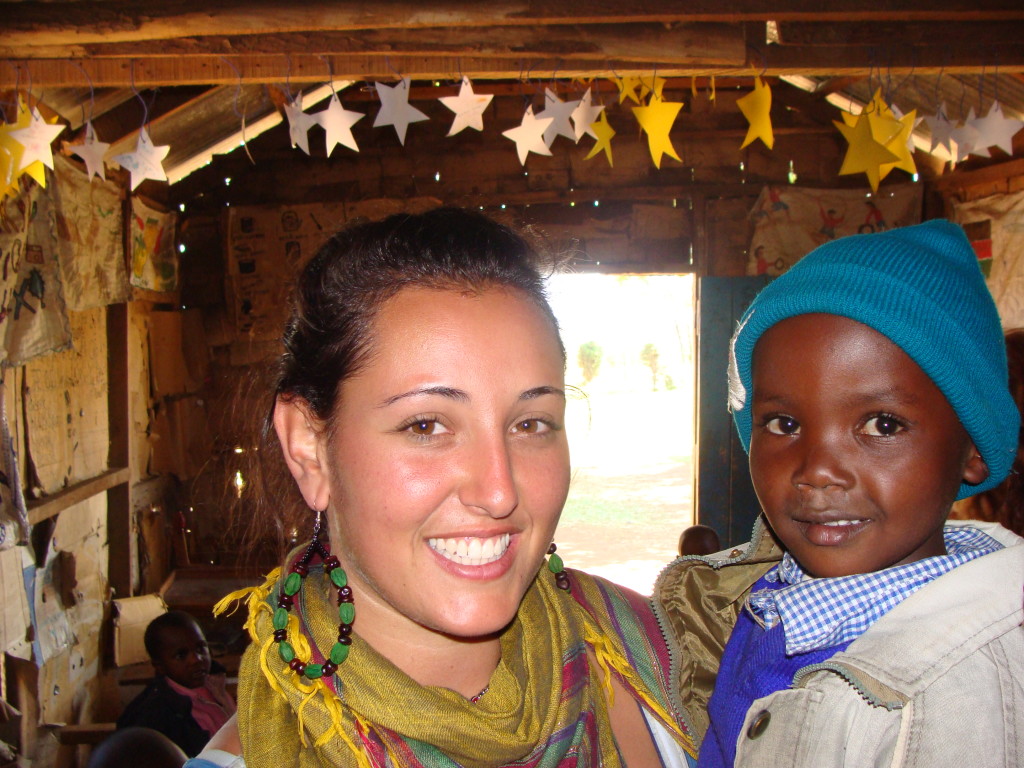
[146, 161]
[16, 152]
[91, 151]
[756, 107]
[864, 154]
[560, 112]
[603, 132]
[627, 88]
[890, 128]
[299, 123]
[337, 123]
[395, 108]
[901, 145]
[941, 128]
[468, 107]
[35, 138]
[584, 116]
[997, 130]
[656, 119]
[529, 135]
[966, 136]
[652, 84]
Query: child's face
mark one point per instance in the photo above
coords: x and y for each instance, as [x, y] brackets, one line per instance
[184, 656]
[855, 454]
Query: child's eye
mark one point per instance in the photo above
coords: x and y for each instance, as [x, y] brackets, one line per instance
[883, 425]
[782, 425]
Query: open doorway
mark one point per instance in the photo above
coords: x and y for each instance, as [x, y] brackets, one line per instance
[630, 346]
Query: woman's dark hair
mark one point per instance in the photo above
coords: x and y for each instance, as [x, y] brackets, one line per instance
[342, 288]
[329, 334]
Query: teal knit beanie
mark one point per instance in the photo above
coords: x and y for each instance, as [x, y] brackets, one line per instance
[921, 287]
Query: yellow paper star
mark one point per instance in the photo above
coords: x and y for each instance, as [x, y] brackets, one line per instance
[756, 107]
[864, 155]
[890, 131]
[900, 147]
[656, 119]
[604, 133]
[627, 88]
[652, 84]
[16, 150]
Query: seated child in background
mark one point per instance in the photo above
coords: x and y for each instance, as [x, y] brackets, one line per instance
[143, 747]
[698, 540]
[869, 385]
[187, 701]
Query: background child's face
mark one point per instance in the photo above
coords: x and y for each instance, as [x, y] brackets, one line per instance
[855, 454]
[184, 656]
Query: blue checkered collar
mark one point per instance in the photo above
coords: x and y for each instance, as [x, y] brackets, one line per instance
[821, 613]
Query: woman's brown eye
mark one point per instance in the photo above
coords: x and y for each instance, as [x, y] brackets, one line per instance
[423, 427]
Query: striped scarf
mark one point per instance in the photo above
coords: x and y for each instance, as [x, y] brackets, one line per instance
[546, 704]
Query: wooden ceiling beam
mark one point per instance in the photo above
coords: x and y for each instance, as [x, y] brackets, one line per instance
[883, 34]
[97, 21]
[704, 44]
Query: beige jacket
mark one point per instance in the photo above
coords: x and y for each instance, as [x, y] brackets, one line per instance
[939, 680]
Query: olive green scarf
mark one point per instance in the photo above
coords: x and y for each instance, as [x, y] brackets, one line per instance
[546, 701]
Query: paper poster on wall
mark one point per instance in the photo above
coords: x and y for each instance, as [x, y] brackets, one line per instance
[89, 237]
[154, 261]
[33, 316]
[995, 227]
[790, 222]
[268, 244]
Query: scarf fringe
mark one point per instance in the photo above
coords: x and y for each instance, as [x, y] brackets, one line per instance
[610, 659]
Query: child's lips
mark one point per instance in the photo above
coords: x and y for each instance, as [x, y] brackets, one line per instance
[832, 530]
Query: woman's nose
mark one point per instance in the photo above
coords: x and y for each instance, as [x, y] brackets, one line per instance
[489, 482]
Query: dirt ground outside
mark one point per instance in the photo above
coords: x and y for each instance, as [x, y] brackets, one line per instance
[632, 489]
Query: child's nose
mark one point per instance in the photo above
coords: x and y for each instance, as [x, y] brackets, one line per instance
[822, 465]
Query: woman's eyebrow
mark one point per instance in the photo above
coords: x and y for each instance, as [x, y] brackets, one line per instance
[449, 392]
[536, 392]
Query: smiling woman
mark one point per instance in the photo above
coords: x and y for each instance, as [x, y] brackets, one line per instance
[420, 409]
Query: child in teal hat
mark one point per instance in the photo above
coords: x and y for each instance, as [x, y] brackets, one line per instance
[869, 387]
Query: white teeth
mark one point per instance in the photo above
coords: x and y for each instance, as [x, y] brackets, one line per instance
[471, 551]
[837, 523]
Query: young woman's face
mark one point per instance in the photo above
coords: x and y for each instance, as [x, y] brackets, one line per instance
[448, 461]
[855, 454]
[184, 656]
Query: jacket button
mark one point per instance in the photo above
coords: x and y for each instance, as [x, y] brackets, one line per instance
[760, 724]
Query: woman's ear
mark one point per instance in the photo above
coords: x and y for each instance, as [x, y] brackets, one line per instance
[300, 432]
[976, 470]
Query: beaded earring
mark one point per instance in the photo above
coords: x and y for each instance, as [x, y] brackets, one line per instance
[556, 566]
[346, 608]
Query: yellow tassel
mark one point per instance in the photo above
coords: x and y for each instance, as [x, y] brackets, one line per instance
[608, 658]
[247, 594]
[265, 652]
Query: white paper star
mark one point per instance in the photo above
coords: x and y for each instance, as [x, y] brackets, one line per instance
[529, 135]
[468, 107]
[395, 108]
[997, 130]
[584, 116]
[560, 112]
[942, 129]
[145, 161]
[91, 151]
[299, 123]
[36, 139]
[966, 137]
[337, 123]
[899, 114]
